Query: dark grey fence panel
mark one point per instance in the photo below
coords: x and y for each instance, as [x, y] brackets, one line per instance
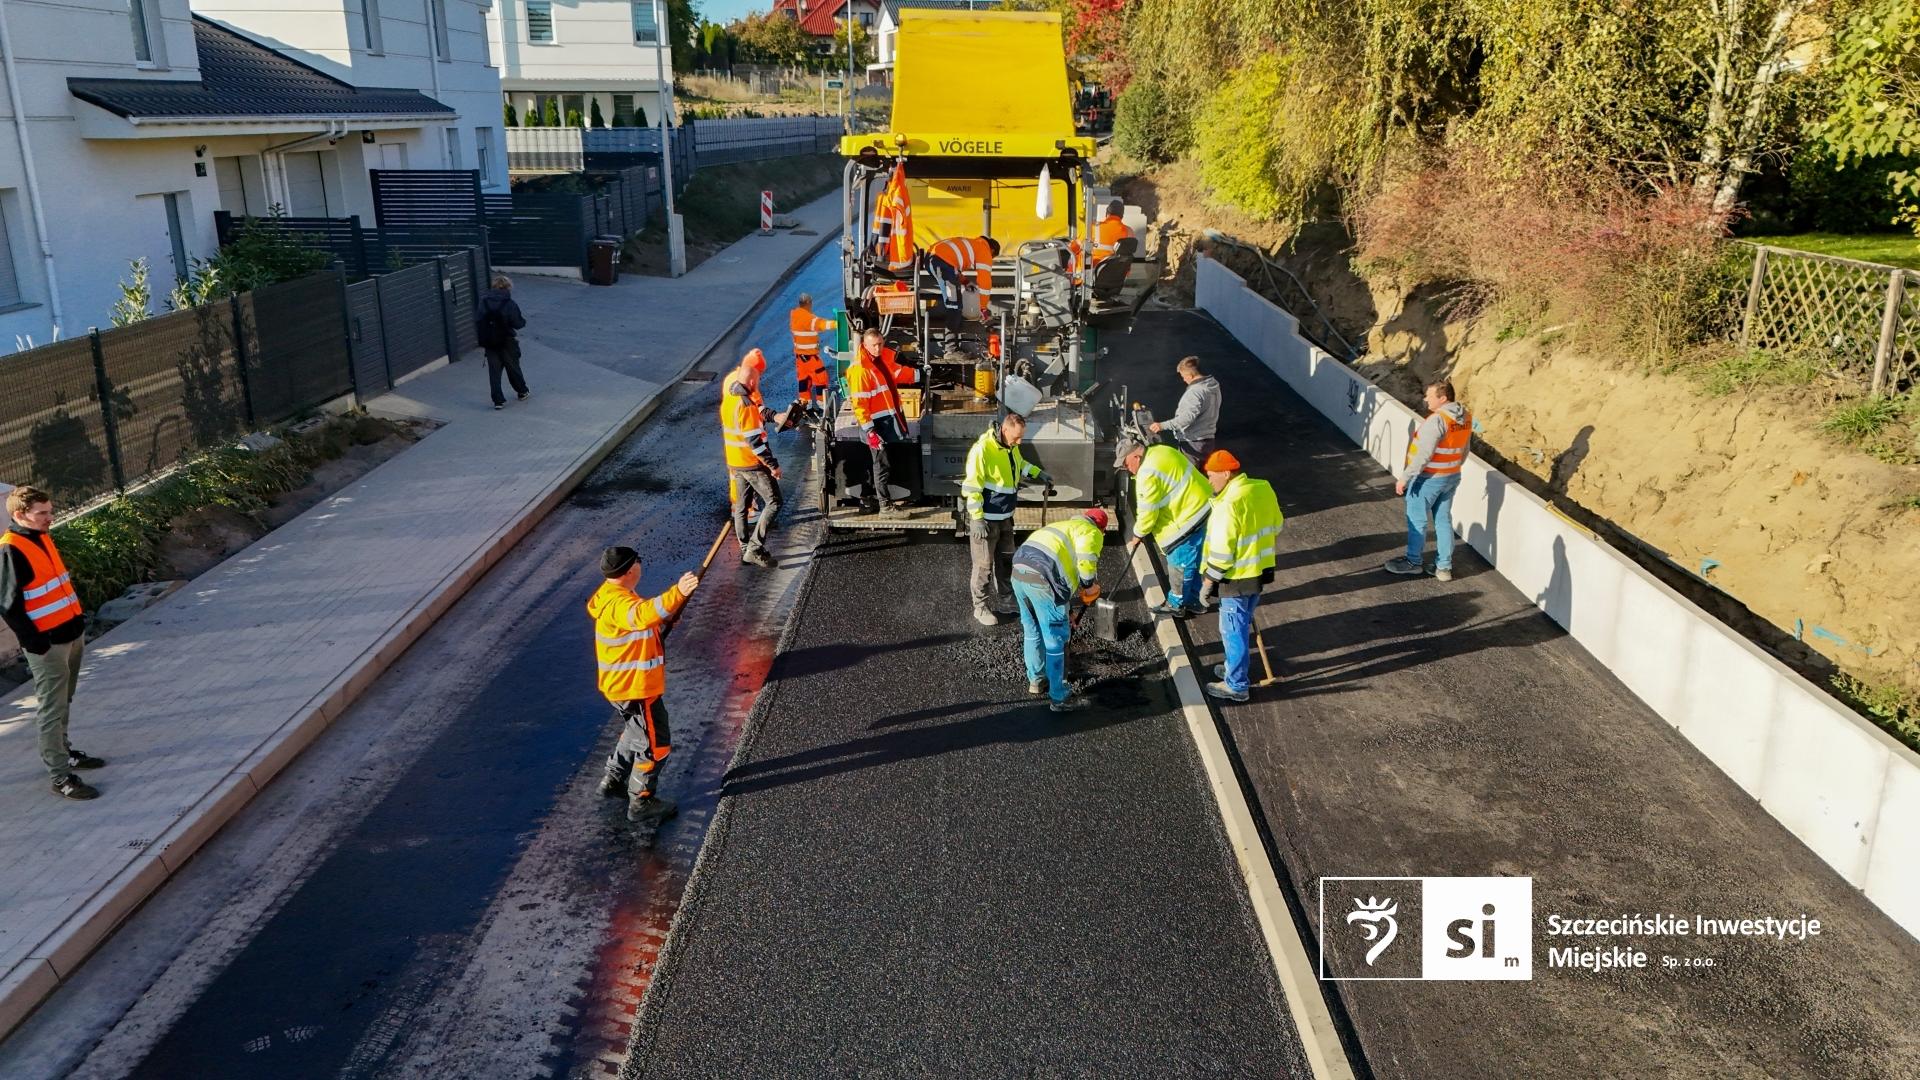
[366, 340]
[404, 198]
[296, 346]
[540, 228]
[462, 294]
[411, 315]
[176, 386]
[52, 432]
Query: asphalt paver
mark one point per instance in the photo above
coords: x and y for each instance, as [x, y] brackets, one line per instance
[918, 870]
[1450, 728]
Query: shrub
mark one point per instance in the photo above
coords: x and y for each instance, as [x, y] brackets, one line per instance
[1234, 138]
[1758, 367]
[1148, 124]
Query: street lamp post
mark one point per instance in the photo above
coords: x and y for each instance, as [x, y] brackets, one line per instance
[676, 230]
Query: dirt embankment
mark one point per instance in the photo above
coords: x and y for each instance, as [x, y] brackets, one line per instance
[722, 204]
[1806, 546]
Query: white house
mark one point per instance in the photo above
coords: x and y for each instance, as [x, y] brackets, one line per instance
[132, 121]
[578, 53]
[886, 38]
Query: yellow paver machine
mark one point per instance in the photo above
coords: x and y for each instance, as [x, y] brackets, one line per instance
[982, 133]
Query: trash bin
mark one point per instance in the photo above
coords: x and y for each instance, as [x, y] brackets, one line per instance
[603, 261]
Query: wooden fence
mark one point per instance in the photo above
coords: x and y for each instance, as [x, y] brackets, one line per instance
[1862, 318]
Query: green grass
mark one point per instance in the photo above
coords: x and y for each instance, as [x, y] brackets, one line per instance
[1894, 708]
[1893, 249]
[1757, 368]
[1886, 427]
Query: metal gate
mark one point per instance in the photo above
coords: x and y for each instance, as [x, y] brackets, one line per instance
[367, 340]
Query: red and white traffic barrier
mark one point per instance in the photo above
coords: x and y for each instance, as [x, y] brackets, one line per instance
[766, 213]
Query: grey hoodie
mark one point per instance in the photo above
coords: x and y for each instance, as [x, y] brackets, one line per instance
[1197, 416]
[1428, 437]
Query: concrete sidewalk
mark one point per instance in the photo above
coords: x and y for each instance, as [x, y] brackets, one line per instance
[201, 700]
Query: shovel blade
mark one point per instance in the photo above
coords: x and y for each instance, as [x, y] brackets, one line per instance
[1106, 620]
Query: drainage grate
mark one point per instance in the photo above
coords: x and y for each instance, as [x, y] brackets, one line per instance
[698, 378]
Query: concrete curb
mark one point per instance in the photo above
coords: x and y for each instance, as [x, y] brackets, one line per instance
[33, 979]
[1292, 965]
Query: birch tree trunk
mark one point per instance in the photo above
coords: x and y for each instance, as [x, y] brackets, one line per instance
[1740, 87]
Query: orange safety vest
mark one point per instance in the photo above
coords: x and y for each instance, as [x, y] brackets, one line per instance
[744, 424]
[807, 328]
[1451, 453]
[626, 640]
[1107, 236]
[48, 595]
[870, 388]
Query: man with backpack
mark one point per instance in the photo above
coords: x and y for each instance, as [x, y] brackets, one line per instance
[495, 322]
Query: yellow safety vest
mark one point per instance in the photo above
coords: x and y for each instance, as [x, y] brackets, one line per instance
[1243, 530]
[992, 483]
[1170, 496]
[1074, 545]
[626, 640]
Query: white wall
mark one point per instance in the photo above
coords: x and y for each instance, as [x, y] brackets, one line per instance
[1841, 785]
[593, 46]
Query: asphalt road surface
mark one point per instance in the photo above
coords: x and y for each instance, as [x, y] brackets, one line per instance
[1450, 728]
[434, 886]
[918, 870]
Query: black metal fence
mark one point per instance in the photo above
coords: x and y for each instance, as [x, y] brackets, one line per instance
[98, 413]
[364, 251]
[519, 228]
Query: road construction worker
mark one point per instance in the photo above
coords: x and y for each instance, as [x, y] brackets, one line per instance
[1055, 567]
[1109, 231]
[41, 607]
[873, 381]
[628, 632]
[753, 475]
[809, 371]
[1242, 532]
[951, 260]
[1170, 499]
[1197, 417]
[990, 488]
[1429, 479]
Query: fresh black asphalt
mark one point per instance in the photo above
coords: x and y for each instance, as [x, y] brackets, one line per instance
[1450, 728]
[917, 870]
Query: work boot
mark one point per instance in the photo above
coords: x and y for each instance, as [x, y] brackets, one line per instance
[1004, 604]
[649, 809]
[985, 618]
[1177, 610]
[613, 786]
[1220, 672]
[1224, 692]
[1036, 687]
[75, 788]
[759, 557]
[898, 507]
[80, 759]
[1073, 704]
[1443, 573]
[1404, 566]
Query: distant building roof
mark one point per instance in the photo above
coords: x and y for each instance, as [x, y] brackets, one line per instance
[241, 78]
[893, 6]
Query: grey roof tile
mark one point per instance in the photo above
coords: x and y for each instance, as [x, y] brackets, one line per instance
[241, 78]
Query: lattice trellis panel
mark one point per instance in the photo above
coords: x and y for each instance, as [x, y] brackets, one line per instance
[1903, 362]
[1808, 302]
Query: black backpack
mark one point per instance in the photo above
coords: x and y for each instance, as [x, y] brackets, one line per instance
[492, 328]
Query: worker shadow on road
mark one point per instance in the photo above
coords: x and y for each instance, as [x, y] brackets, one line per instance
[1350, 648]
[1364, 545]
[1003, 723]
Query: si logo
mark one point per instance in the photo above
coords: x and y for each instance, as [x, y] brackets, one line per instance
[1464, 928]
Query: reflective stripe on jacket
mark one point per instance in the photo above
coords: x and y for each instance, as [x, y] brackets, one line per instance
[48, 597]
[1066, 555]
[1107, 235]
[743, 420]
[1450, 450]
[626, 640]
[991, 485]
[806, 328]
[872, 383]
[1243, 531]
[1170, 495]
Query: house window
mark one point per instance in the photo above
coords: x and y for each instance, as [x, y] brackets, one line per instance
[453, 148]
[645, 30]
[9, 279]
[437, 22]
[176, 235]
[623, 111]
[142, 38]
[370, 22]
[483, 154]
[540, 22]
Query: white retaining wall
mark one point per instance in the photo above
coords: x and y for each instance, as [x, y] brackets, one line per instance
[1848, 790]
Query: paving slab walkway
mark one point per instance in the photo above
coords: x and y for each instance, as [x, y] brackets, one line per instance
[202, 699]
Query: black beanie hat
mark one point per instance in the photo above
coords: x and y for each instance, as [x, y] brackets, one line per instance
[616, 561]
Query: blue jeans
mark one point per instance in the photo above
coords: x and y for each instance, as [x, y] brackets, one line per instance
[1183, 559]
[1431, 496]
[1236, 637]
[1043, 627]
